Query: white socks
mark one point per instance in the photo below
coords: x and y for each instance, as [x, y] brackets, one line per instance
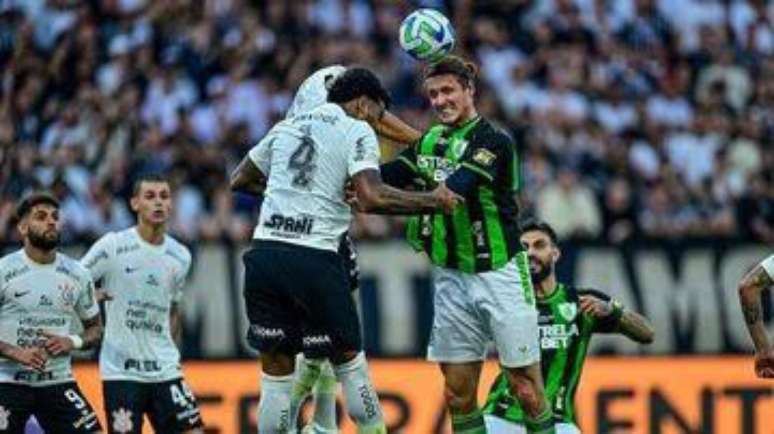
[362, 402]
[274, 407]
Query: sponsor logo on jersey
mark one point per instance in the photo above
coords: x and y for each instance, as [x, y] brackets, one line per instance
[484, 157]
[142, 365]
[438, 168]
[127, 248]
[33, 376]
[15, 273]
[568, 311]
[45, 301]
[557, 336]
[360, 149]
[102, 254]
[292, 225]
[152, 280]
[264, 332]
[64, 270]
[122, 421]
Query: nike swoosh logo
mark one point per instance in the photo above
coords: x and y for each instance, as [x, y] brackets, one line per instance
[131, 269]
[18, 294]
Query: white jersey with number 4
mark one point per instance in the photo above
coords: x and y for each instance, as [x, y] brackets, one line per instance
[768, 266]
[313, 92]
[144, 280]
[37, 298]
[308, 159]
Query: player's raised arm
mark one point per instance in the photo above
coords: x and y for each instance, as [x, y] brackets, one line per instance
[393, 128]
[750, 289]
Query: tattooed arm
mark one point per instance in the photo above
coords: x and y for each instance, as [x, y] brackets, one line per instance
[613, 318]
[373, 196]
[750, 288]
[248, 179]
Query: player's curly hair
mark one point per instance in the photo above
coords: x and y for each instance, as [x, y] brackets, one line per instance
[356, 82]
[465, 71]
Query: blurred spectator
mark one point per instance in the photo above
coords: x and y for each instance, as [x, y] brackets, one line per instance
[570, 207]
[634, 118]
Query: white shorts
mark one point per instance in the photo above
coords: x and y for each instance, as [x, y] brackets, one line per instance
[472, 310]
[495, 425]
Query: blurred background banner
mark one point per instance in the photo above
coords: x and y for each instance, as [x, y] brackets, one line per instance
[670, 395]
[687, 290]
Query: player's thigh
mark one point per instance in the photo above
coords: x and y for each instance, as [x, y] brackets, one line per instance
[459, 333]
[496, 425]
[16, 406]
[174, 409]
[63, 409]
[125, 404]
[271, 309]
[507, 299]
[331, 323]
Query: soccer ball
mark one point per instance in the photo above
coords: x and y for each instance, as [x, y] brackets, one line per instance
[427, 34]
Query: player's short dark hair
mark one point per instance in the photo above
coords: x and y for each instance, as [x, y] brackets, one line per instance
[147, 177]
[465, 71]
[540, 226]
[356, 82]
[31, 201]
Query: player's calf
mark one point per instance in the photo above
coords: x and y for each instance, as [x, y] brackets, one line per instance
[362, 401]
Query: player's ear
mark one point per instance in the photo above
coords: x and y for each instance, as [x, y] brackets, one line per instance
[22, 227]
[556, 254]
[134, 204]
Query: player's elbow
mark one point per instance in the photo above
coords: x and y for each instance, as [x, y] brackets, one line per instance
[647, 337]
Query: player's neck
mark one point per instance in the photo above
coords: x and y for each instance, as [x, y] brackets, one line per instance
[546, 287]
[151, 234]
[38, 255]
[466, 117]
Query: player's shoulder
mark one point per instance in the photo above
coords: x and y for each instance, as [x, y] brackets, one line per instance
[488, 133]
[72, 267]
[11, 260]
[768, 266]
[177, 250]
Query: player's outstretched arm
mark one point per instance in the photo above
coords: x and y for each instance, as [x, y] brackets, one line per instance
[614, 318]
[750, 289]
[247, 178]
[373, 196]
[393, 128]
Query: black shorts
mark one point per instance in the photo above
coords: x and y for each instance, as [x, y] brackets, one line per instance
[59, 409]
[349, 255]
[170, 405]
[298, 300]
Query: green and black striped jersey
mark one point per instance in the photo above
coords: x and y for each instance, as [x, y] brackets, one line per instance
[482, 233]
[565, 333]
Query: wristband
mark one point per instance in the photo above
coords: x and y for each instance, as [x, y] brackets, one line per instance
[77, 341]
[611, 321]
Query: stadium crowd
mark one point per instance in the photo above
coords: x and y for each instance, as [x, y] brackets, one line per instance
[636, 118]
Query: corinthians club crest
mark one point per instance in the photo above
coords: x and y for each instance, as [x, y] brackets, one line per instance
[122, 421]
[568, 311]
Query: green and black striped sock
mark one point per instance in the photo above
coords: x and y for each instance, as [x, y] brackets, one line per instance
[471, 423]
[543, 424]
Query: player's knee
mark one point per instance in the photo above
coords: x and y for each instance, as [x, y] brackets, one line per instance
[460, 394]
[277, 364]
[342, 357]
[525, 391]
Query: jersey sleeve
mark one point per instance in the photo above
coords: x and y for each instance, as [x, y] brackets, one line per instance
[482, 161]
[260, 154]
[86, 307]
[768, 266]
[364, 150]
[97, 260]
[181, 279]
[401, 171]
